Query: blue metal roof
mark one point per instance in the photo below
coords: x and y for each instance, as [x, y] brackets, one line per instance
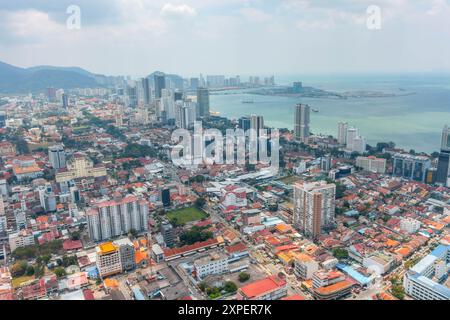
[138, 294]
[353, 273]
[440, 251]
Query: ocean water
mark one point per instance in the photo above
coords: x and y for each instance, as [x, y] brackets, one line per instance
[413, 121]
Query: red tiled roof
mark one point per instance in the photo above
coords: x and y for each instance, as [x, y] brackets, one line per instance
[262, 286]
[195, 246]
[236, 248]
[72, 245]
[294, 297]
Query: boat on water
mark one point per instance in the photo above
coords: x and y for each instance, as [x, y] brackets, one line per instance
[248, 101]
[315, 110]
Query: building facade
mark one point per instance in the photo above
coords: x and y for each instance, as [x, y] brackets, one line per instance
[108, 259]
[80, 167]
[301, 124]
[411, 167]
[109, 219]
[371, 164]
[314, 207]
[202, 102]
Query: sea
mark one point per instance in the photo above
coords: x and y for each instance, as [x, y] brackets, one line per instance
[412, 119]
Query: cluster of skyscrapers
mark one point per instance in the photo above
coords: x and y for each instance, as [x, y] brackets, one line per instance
[160, 98]
[350, 138]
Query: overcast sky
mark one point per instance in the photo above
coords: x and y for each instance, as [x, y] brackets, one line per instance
[262, 37]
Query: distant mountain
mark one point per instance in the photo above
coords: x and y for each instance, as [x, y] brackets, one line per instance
[69, 69]
[38, 79]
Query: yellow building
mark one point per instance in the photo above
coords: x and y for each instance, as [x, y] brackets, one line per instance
[80, 167]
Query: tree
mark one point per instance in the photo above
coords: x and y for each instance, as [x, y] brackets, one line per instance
[75, 236]
[340, 190]
[230, 287]
[200, 202]
[19, 268]
[194, 235]
[203, 286]
[60, 272]
[30, 271]
[244, 276]
[397, 288]
[340, 253]
[46, 258]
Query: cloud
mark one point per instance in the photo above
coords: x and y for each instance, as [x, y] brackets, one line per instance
[235, 36]
[181, 10]
[255, 15]
[438, 7]
[27, 27]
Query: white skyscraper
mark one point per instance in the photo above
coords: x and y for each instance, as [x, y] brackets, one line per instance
[342, 132]
[57, 156]
[185, 114]
[352, 133]
[256, 123]
[355, 142]
[314, 207]
[168, 103]
[359, 144]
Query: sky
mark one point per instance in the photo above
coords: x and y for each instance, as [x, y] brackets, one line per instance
[261, 37]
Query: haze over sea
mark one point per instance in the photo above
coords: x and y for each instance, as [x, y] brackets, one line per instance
[412, 121]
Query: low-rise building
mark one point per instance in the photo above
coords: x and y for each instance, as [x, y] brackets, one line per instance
[379, 262]
[305, 266]
[157, 253]
[214, 263]
[270, 288]
[372, 164]
[21, 239]
[80, 167]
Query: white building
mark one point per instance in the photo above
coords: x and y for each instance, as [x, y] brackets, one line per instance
[57, 156]
[379, 263]
[211, 264]
[20, 239]
[410, 225]
[372, 164]
[108, 259]
[113, 218]
[359, 144]
[305, 266]
[342, 133]
[419, 282]
[355, 142]
[300, 168]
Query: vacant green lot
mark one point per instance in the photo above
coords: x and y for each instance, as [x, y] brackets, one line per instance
[16, 282]
[289, 179]
[185, 215]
